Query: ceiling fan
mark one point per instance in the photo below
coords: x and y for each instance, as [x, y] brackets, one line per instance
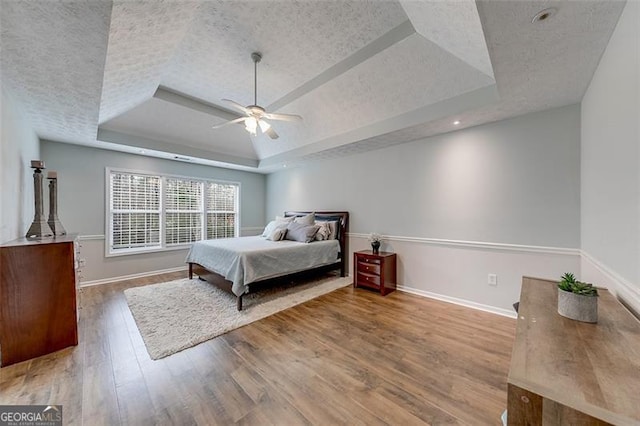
[256, 115]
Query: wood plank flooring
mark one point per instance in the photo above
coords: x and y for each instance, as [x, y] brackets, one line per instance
[349, 357]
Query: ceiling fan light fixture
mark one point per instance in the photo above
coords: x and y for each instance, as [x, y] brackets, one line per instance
[251, 125]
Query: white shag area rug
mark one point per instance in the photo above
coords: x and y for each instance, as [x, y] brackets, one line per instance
[179, 314]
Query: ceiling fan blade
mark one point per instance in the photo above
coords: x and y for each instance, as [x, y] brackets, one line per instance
[267, 129]
[282, 117]
[237, 106]
[272, 133]
[237, 120]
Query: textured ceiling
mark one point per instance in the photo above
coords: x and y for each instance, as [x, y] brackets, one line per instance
[143, 37]
[150, 75]
[195, 129]
[52, 59]
[457, 29]
[298, 40]
[410, 74]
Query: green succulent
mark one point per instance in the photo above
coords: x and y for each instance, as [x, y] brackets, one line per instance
[569, 283]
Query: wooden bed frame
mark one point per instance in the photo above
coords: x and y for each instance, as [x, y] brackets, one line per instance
[341, 263]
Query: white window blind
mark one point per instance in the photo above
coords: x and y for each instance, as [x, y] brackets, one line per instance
[156, 212]
[135, 211]
[183, 206]
[222, 209]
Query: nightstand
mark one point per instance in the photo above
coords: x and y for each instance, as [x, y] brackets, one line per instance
[375, 271]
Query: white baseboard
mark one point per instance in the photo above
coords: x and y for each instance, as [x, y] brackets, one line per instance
[461, 302]
[131, 276]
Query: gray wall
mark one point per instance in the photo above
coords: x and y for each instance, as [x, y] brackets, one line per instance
[611, 155]
[18, 146]
[515, 181]
[81, 202]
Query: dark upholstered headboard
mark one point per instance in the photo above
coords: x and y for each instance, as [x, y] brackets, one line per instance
[343, 221]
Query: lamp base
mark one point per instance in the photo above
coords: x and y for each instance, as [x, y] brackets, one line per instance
[56, 227]
[39, 229]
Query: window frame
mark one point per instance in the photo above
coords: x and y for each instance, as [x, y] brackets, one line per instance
[163, 246]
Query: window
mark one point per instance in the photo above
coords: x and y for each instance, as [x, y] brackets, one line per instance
[183, 206]
[135, 211]
[221, 208]
[155, 212]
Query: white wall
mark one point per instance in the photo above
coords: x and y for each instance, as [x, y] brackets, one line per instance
[510, 184]
[81, 204]
[610, 164]
[18, 146]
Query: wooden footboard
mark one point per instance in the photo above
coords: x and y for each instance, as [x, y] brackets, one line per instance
[215, 279]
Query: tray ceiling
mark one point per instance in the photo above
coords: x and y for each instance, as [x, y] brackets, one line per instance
[134, 75]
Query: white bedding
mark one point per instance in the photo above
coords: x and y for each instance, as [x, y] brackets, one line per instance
[244, 260]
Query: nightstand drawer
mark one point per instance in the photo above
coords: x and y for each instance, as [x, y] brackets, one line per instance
[370, 268]
[368, 280]
[372, 260]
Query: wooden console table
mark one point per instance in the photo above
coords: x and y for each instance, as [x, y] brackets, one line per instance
[569, 372]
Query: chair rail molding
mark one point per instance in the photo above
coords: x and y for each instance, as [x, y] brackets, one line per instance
[96, 237]
[475, 244]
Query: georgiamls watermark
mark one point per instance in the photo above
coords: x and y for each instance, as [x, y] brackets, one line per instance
[30, 415]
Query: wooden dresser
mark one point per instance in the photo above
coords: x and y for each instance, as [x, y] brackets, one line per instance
[37, 297]
[566, 372]
[375, 271]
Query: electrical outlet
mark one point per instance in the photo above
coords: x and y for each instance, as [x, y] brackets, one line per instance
[492, 280]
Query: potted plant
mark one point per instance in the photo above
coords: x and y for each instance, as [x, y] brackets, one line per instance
[577, 300]
[375, 242]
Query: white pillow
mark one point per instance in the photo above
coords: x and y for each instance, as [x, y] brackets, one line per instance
[273, 225]
[308, 220]
[277, 234]
[300, 232]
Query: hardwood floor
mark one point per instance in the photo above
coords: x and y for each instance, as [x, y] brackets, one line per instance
[349, 357]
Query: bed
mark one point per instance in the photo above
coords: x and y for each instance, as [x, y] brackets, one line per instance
[244, 264]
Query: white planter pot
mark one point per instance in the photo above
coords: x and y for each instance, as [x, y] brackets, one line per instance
[577, 306]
